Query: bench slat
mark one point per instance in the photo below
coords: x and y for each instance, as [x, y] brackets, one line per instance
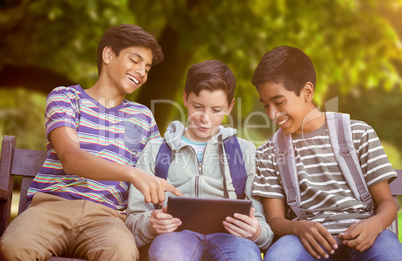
[396, 185]
[30, 165]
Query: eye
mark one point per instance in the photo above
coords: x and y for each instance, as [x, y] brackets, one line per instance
[280, 103]
[216, 111]
[134, 61]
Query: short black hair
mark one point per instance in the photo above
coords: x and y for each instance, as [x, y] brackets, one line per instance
[285, 65]
[128, 35]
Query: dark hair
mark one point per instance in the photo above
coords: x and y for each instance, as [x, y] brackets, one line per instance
[285, 65]
[210, 75]
[128, 35]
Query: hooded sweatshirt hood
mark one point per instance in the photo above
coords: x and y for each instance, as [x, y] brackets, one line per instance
[176, 129]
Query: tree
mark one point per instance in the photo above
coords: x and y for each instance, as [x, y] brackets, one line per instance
[352, 43]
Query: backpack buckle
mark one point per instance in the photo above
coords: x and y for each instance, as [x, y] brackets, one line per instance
[344, 150]
[292, 197]
[365, 196]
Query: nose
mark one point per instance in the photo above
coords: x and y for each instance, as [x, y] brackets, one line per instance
[141, 71]
[204, 118]
[271, 112]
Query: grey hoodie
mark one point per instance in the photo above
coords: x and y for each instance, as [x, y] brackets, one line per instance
[193, 179]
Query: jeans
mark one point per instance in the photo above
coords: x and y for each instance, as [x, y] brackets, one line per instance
[189, 245]
[385, 247]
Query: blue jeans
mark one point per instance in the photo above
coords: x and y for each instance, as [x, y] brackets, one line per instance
[189, 245]
[385, 247]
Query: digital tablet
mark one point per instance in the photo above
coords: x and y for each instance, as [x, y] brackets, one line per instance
[205, 215]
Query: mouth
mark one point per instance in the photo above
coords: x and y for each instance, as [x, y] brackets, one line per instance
[282, 121]
[133, 79]
[203, 128]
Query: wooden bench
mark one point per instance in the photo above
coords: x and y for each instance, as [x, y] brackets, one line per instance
[27, 163]
[23, 163]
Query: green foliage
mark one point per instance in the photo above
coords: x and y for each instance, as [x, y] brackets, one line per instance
[355, 45]
[350, 42]
[22, 116]
[59, 35]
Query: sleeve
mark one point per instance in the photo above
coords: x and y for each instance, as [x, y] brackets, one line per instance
[266, 236]
[266, 182]
[153, 130]
[60, 110]
[139, 212]
[373, 159]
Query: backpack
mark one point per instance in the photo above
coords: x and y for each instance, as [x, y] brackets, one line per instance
[234, 157]
[340, 135]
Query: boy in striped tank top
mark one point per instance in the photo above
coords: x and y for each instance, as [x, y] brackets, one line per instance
[285, 81]
[94, 138]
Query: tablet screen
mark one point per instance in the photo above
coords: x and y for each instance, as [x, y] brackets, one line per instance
[205, 215]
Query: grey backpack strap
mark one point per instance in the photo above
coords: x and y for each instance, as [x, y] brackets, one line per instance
[340, 134]
[285, 159]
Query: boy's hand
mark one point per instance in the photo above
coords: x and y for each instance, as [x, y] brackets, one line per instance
[243, 226]
[153, 188]
[312, 234]
[361, 235]
[163, 222]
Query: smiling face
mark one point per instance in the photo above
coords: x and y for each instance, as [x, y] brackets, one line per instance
[129, 70]
[205, 113]
[289, 111]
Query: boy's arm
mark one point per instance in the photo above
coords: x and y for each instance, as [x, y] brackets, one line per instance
[311, 234]
[361, 235]
[81, 163]
[253, 226]
[141, 216]
[378, 173]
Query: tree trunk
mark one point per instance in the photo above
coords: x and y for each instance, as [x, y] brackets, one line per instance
[164, 80]
[32, 78]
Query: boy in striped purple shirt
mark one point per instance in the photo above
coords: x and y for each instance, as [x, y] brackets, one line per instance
[94, 138]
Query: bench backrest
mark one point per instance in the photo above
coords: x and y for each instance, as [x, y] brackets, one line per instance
[16, 162]
[396, 189]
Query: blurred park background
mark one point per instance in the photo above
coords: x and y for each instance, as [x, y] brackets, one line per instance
[355, 45]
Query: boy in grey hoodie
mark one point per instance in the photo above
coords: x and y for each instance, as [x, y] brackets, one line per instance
[195, 171]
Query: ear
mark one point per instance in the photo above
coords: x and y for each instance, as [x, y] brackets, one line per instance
[107, 54]
[230, 106]
[185, 99]
[308, 92]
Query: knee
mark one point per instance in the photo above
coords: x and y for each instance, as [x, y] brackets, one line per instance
[115, 253]
[286, 248]
[11, 248]
[171, 246]
[161, 249]
[246, 249]
[116, 249]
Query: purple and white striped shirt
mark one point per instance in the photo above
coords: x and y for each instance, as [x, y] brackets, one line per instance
[117, 134]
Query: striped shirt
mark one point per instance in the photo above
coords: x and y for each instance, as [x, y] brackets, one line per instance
[199, 147]
[117, 134]
[325, 195]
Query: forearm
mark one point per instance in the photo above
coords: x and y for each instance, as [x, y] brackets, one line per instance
[138, 217]
[141, 228]
[87, 165]
[264, 240]
[266, 236]
[386, 213]
[282, 227]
